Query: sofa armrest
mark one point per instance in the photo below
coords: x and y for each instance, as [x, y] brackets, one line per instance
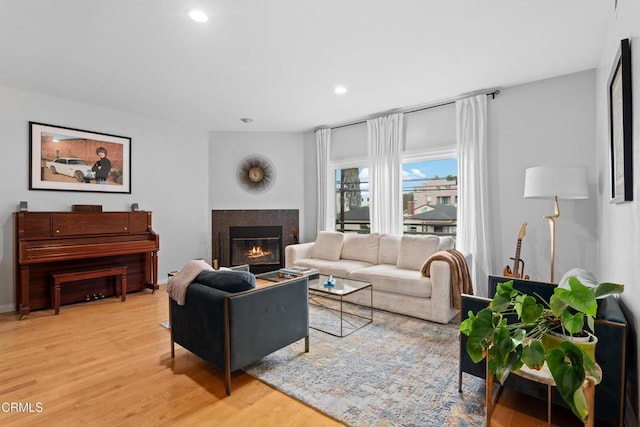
[293, 253]
[440, 274]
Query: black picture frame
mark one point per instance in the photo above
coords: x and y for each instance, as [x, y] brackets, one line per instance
[67, 159]
[620, 126]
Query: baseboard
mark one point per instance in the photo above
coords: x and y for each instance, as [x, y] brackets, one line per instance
[6, 308]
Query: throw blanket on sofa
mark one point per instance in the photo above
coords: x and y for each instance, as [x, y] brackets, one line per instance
[460, 277]
[177, 286]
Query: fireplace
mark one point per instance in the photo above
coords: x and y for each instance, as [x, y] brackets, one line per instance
[255, 237]
[258, 246]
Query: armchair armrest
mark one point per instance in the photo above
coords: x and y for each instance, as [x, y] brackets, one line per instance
[465, 364]
[264, 320]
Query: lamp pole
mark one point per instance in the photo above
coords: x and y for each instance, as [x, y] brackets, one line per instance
[552, 229]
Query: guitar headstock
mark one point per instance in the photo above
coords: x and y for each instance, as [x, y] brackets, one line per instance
[523, 230]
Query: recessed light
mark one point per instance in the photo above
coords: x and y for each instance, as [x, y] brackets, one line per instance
[246, 120]
[340, 90]
[198, 16]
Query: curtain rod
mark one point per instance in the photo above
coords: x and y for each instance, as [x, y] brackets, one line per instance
[492, 94]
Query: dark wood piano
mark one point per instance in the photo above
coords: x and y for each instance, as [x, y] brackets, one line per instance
[47, 242]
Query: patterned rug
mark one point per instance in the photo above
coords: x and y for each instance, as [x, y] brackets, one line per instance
[396, 371]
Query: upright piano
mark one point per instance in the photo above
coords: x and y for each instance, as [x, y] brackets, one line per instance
[47, 242]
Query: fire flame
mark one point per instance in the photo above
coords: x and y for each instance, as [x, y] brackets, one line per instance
[257, 252]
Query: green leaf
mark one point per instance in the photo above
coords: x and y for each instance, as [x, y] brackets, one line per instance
[573, 323]
[518, 336]
[580, 402]
[465, 325]
[590, 367]
[567, 368]
[533, 355]
[506, 287]
[481, 334]
[557, 305]
[531, 310]
[590, 323]
[606, 289]
[578, 297]
[504, 355]
[500, 302]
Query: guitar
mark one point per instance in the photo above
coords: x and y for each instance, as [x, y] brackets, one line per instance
[517, 271]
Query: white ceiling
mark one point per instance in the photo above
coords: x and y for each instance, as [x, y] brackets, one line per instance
[277, 61]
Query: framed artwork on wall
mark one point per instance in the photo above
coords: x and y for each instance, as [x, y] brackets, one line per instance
[620, 126]
[68, 159]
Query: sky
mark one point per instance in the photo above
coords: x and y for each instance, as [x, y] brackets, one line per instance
[426, 169]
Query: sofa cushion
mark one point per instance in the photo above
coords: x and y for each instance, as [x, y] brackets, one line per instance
[389, 278]
[328, 245]
[341, 268]
[227, 280]
[446, 242]
[389, 246]
[361, 247]
[414, 250]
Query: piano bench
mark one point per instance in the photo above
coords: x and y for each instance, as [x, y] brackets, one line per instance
[119, 272]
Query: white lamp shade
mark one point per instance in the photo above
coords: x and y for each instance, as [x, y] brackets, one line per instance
[547, 182]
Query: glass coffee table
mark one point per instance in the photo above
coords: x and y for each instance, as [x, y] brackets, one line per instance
[341, 318]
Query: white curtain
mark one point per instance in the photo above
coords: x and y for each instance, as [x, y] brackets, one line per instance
[385, 138]
[324, 220]
[473, 217]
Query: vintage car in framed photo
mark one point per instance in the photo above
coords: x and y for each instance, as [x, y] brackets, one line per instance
[68, 159]
[620, 126]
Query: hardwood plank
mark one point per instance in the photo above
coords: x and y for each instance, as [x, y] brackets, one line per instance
[107, 362]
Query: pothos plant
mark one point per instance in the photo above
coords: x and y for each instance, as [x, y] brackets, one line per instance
[509, 334]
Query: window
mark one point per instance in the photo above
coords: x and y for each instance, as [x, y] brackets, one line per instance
[444, 200]
[352, 200]
[430, 196]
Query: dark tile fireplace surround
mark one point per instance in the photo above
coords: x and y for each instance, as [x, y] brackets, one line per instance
[254, 237]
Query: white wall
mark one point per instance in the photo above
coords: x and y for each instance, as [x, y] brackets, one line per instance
[432, 128]
[285, 150]
[169, 176]
[548, 122]
[618, 228]
[310, 189]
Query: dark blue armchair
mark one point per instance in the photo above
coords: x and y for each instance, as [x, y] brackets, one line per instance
[233, 330]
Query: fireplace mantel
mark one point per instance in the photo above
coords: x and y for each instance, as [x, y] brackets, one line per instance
[222, 220]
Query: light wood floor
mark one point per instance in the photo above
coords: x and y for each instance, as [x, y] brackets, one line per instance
[108, 363]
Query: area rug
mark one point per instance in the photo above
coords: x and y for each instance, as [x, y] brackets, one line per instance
[396, 371]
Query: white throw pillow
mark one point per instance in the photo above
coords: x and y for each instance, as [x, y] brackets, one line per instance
[446, 242]
[414, 251]
[361, 247]
[328, 245]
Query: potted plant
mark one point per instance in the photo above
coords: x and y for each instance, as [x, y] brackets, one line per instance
[513, 331]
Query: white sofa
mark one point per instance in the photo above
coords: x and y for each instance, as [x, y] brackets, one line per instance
[391, 263]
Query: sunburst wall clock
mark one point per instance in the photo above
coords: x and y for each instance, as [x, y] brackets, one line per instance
[256, 173]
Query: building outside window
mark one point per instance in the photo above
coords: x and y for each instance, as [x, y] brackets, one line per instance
[352, 200]
[430, 197]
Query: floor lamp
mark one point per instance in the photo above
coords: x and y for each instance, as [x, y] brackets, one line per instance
[546, 182]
